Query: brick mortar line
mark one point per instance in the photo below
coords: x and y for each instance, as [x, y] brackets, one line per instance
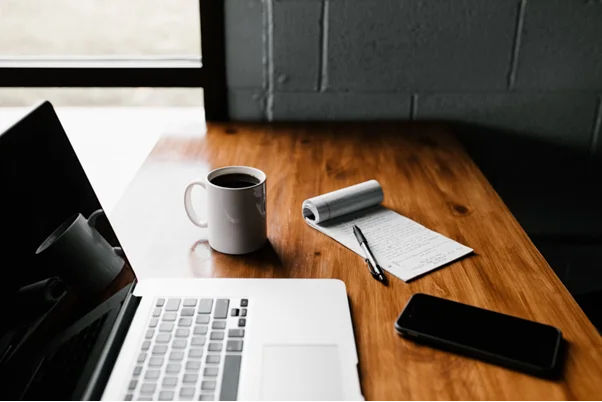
[520, 20]
[269, 50]
[413, 106]
[323, 49]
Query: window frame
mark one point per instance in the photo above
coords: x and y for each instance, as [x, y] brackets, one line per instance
[162, 72]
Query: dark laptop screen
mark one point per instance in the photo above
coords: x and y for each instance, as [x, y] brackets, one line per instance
[48, 245]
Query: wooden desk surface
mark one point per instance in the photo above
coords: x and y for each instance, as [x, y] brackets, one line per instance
[427, 176]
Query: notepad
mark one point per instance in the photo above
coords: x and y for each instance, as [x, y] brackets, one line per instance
[401, 246]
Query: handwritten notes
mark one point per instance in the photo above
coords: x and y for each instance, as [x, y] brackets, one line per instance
[403, 247]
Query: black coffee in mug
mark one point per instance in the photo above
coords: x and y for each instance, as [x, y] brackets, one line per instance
[235, 180]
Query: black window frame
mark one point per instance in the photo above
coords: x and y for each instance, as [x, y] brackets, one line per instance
[209, 73]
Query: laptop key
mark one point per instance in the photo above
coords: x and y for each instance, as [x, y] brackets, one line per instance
[205, 306]
[215, 347]
[163, 338]
[156, 361]
[170, 381]
[169, 316]
[210, 372]
[217, 335]
[166, 327]
[182, 332]
[172, 305]
[236, 333]
[242, 322]
[129, 397]
[234, 312]
[179, 344]
[152, 375]
[213, 359]
[133, 384]
[202, 319]
[200, 330]
[193, 365]
[221, 308]
[190, 378]
[166, 395]
[153, 322]
[144, 398]
[234, 346]
[218, 325]
[185, 322]
[208, 385]
[159, 349]
[187, 312]
[156, 312]
[176, 356]
[206, 397]
[187, 392]
[148, 388]
[195, 353]
[173, 368]
[145, 345]
[229, 388]
[141, 357]
[160, 302]
[137, 371]
[150, 333]
[198, 341]
[243, 312]
[189, 302]
[244, 303]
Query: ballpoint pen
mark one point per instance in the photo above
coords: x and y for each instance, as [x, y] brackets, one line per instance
[376, 271]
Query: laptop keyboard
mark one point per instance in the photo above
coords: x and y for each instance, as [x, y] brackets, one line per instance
[192, 350]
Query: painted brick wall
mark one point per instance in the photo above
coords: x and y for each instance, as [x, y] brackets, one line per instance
[531, 66]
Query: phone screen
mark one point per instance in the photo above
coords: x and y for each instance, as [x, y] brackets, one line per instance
[486, 331]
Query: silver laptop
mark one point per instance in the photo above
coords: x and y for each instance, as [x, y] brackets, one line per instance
[168, 339]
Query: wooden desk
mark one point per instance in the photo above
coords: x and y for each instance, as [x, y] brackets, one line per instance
[427, 176]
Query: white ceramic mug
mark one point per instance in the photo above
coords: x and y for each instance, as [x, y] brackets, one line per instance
[236, 217]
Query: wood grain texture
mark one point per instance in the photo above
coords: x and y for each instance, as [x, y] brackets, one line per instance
[427, 176]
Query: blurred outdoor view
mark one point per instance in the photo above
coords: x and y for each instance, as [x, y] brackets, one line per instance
[100, 30]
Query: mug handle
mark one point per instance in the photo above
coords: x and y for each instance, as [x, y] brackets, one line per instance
[92, 222]
[94, 217]
[188, 203]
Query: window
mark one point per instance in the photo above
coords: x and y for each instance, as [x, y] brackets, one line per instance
[100, 28]
[133, 46]
[102, 96]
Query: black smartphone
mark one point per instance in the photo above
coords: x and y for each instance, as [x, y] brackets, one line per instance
[497, 338]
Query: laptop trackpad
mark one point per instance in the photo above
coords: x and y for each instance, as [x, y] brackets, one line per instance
[301, 372]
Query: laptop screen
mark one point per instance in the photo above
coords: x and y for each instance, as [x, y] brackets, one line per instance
[58, 250]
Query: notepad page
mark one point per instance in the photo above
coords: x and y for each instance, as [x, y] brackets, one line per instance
[403, 247]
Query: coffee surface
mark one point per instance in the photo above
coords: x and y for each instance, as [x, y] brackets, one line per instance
[235, 180]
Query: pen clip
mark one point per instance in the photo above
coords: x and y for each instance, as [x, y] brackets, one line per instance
[371, 268]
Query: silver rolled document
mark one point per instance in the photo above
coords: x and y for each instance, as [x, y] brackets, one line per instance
[341, 202]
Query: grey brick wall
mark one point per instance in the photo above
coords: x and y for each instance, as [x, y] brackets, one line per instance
[530, 66]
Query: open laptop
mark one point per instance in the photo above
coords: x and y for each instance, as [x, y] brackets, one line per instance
[167, 339]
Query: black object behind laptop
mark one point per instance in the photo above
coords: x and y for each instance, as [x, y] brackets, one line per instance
[49, 342]
[497, 338]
